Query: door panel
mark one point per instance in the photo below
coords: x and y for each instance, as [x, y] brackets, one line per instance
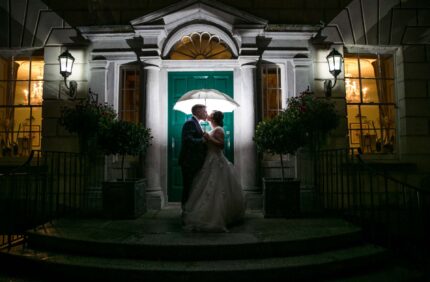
[178, 84]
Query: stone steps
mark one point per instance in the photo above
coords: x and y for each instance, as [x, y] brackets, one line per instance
[155, 248]
[71, 267]
[193, 246]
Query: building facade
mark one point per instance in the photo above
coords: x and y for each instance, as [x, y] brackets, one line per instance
[143, 66]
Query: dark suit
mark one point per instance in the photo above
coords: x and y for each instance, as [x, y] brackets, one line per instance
[192, 154]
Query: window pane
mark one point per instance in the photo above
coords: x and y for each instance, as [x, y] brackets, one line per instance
[37, 66]
[200, 45]
[130, 94]
[21, 83]
[127, 100]
[4, 66]
[352, 89]
[371, 109]
[22, 70]
[368, 66]
[386, 91]
[271, 90]
[21, 93]
[387, 66]
[130, 80]
[354, 126]
[273, 99]
[369, 91]
[381, 119]
[351, 66]
[3, 92]
[36, 92]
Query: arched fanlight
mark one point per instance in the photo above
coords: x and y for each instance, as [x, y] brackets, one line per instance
[200, 46]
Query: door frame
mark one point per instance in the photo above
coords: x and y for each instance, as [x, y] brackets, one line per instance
[194, 66]
[173, 130]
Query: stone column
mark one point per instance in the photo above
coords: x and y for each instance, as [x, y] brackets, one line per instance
[98, 80]
[152, 165]
[248, 155]
[304, 166]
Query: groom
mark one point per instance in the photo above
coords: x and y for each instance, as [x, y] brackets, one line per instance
[193, 149]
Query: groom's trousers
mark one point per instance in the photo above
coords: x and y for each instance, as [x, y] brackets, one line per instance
[188, 175]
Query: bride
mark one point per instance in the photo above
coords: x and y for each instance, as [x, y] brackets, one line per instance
[216, 199]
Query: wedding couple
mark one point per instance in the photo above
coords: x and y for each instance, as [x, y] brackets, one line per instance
[212, 196]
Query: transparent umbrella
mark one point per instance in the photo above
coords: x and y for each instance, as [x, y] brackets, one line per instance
[211, 98]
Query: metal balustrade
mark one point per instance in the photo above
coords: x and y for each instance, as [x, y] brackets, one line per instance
[391, 212]
[48, 185]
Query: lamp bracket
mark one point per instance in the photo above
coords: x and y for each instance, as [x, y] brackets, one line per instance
[72, 87]
[328, 86]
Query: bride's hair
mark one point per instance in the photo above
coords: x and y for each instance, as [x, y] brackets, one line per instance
[218, 117]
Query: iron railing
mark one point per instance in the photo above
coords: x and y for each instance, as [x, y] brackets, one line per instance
[391, 212]
[49, 185]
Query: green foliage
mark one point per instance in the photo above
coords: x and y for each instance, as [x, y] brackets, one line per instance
[306, 122]
[98, 129]
[125, 138]
[279, 135]
[317, 117]
[87, 119]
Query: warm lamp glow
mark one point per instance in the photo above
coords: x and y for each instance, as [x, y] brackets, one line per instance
[66, 63]
[334, 61]
[66, 66]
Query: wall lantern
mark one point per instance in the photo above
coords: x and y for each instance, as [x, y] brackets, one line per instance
[66, 65]
[334, 60]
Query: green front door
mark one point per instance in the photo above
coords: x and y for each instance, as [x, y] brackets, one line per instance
[179, 84]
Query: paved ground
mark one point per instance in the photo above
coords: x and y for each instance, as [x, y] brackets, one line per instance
[164, 228]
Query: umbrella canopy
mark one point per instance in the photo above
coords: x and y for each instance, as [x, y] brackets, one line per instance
[213, 99]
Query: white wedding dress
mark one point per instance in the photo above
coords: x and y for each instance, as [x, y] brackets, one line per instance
[216, 199]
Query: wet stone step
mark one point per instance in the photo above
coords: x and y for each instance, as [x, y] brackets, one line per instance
[293, 268]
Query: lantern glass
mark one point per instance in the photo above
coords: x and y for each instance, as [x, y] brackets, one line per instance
[66, 63]
[334, 60]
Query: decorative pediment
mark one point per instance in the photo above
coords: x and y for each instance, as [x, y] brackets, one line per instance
[200, 11]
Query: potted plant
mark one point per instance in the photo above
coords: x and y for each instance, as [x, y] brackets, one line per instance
[86, 119]
[316, 116]
[305, 122]
[280, 136]
[124, 198]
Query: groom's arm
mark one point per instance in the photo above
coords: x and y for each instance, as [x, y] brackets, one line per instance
[189, 131]
[217, 138]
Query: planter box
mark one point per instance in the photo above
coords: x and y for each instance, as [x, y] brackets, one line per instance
[281, 198]
[124, 199]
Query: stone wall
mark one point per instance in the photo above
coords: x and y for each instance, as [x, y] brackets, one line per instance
[403, 26]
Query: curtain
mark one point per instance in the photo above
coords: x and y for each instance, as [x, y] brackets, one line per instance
[385, 94]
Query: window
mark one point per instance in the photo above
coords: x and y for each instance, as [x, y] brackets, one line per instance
[199, 46]
[130, 98]
[271, 90]
[371, 108]
[21, 92]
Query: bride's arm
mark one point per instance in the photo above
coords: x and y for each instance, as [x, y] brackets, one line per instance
[217, 138]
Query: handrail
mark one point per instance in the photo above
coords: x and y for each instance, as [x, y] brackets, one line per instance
[392, 212]
[46, 186]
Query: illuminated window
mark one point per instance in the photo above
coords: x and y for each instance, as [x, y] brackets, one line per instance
[199, 46]
[371, 108]
[271, 90]
[129, 109]
[21, 92]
